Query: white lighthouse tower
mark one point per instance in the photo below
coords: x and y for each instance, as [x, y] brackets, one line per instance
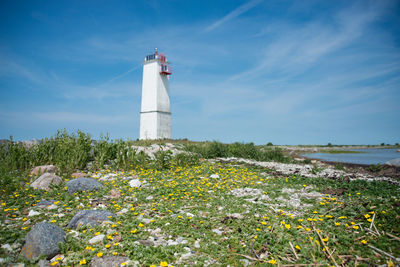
[155, 115]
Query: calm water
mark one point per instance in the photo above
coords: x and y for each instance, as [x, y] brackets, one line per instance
[371, 156]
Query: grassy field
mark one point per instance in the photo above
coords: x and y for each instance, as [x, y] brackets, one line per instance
[197, 212]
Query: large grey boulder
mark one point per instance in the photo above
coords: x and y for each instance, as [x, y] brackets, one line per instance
[38, 170]
[394, 162]
[108, 261]
[83, 184]
[43, 239]
[89, 217]
[45, 180]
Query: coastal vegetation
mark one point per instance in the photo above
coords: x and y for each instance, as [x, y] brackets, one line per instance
[194, 209]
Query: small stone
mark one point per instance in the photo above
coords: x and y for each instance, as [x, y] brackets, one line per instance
[43, 239]
[7, 247]
[43, 263]
[78, 175]
[115, 193]
[146, 242]
[245, 262]
[235, 215]
[33, 213]
[108, 261]
[83, 184]
[394, 162]
[44, 203]
[38, 170]
[89, 217]
[147, 221]
[218, 232]
[52, 207]
[149, 198]
[172, 243]
[135, 183]
[96, 239]
[123, 211]
[214, 176]
[197, 244]
[45, 180]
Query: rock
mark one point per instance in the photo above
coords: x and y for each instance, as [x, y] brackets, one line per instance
[394, 162]
[52, 207]
[115, 193]
[146, 243]
[44, 203]
[197, 244]
[83, 184]
[218, 232]
[123, 211]
[7, 247]
[398, 150]
[33, 213]
[78, 175]
[38, 170]
[43, 239]
[214, 176]
[108, 261]
[43, 263]
[45, 180]
[89, 217]
[135, 183]
[96, 239]
[235, 215]
[245, 262]
[149, 198]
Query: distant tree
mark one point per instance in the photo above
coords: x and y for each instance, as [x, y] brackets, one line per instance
[397, 144]
[382, 144]
[269, 144]
[329, 144]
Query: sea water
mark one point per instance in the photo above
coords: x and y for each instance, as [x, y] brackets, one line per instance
[368, 156]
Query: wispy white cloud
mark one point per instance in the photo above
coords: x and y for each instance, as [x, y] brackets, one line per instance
[233, 14]
[293, 49]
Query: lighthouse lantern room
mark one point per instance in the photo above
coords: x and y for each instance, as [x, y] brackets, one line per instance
[155, 115]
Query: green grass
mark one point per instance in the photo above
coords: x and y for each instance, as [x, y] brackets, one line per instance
[188, 204]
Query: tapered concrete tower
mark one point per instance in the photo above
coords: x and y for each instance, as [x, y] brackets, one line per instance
[155, 115]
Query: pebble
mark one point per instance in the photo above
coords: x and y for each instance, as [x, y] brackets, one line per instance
[52, 207]
[7, 247]
[135, 183]
[218, 232]
[123, 211]
[33, 213]
[96, 239]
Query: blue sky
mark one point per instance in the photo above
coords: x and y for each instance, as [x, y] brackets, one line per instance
[286, 72]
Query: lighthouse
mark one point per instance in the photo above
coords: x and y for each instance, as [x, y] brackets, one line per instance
[155, 115]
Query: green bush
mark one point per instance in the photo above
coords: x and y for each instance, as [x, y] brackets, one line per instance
[241, 150]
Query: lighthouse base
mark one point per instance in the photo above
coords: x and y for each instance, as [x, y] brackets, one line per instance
[155, 125]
